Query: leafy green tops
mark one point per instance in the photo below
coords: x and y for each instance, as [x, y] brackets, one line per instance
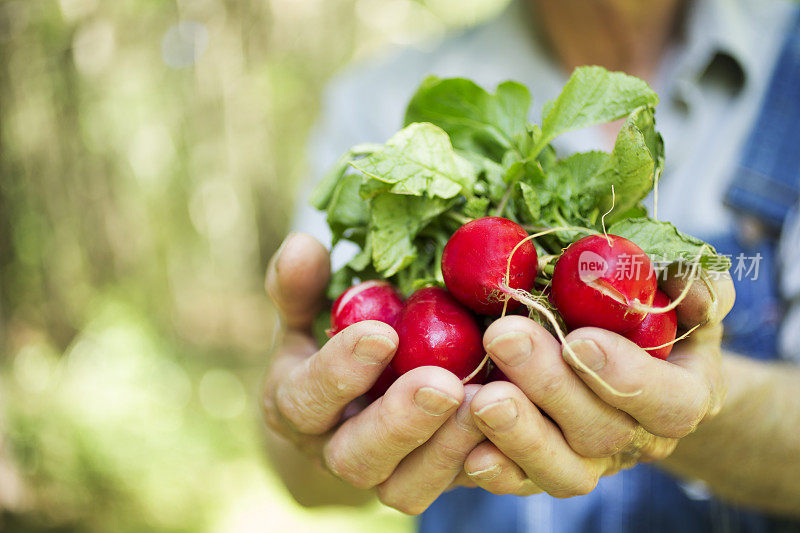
[466, 153]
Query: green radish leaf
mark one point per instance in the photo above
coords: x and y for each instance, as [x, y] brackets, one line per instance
[419, 160]
[637, 211]
[571, 178]
[467, 153]
[629, 169]
[396, 221]
[476, 207]
[532, 201]
[421, 272]
[476, 120]
[427, 267]
[538, 191]
[341, 280]
[665, 244]
[371, 187]
[323, 192]
[645, 121]
[593, 96]
[547, 158]
[363, 259]
[583, 181]
[490, 171]
[513, 167]
[346, 208]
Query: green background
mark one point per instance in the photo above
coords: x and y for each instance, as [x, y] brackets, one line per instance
[150, 152]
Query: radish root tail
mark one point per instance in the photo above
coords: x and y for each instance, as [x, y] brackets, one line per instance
[507, 279]
[529, 301]
[478, 369]
[693, 276]
[603, 218]
[678, 339]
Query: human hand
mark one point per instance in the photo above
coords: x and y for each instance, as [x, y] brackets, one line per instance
[410, 444]
[556, 429]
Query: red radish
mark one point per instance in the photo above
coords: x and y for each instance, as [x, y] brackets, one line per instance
[385, 380]
[369, 300]
[434, 329]
[599, 280]
[475, 261]
[656, 329]
[495, 374]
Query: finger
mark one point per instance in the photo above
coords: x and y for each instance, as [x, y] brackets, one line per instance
[461, 480]
[296, 279]
[294, 349]
[701, 355]
[668, 399]
[314, 392]
[709, 299]
[533, 442]
[427, 472]
[492, 471]
[366, 449]
[531, 358]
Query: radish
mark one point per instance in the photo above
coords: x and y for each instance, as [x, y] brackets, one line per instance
[385, 380]
[603, 281]
[476, 259]
[369, 300]
[657, 329]
[435, 329]
[495, 374]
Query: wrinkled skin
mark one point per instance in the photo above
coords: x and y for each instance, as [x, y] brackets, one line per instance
[550, 428]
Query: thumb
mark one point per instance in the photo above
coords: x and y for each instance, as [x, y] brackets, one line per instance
[709, 299]
[296, 279]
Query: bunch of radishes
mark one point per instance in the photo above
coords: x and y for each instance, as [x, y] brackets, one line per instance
[471, 213]
[484, 265]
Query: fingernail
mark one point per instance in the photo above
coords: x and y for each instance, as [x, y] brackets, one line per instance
[501, 415]
[589, 354]
[486, 474]
[512, 348]
[373, 349]
[434, 402]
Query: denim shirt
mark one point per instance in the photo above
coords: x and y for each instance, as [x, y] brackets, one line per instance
[712, 86]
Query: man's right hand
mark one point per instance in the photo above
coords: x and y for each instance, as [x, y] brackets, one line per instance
[410, 444]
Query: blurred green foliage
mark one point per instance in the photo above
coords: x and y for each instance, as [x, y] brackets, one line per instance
[149, 155]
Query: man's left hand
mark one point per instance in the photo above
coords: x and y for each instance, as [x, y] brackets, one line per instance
[554, 428]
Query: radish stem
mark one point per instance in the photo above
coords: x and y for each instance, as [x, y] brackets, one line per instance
[692, 278]
[603, 218]
[478, 369]
[527, 300]
[458, 217]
